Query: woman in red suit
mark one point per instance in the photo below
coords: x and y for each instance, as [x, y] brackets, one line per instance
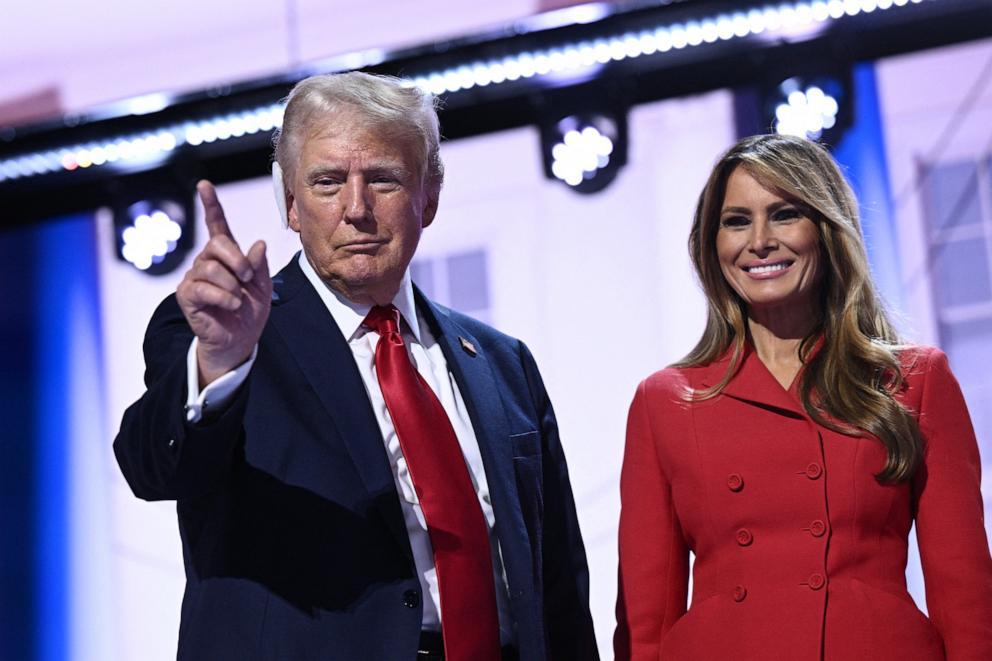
[794, 447]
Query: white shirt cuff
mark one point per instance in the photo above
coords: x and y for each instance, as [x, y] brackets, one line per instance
[217, 394]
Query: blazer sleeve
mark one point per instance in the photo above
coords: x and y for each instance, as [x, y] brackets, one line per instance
[570, 631]
[654, 556]
[950, 530]
[161, 456]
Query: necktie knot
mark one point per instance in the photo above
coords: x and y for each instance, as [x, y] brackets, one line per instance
[384, 319]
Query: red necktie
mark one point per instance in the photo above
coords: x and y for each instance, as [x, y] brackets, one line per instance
[457, 528]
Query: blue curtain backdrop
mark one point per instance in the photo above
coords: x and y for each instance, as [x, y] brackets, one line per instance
[54, 444]
[862, 153]
[18, 529]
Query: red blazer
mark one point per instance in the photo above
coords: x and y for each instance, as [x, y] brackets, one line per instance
[800, 552]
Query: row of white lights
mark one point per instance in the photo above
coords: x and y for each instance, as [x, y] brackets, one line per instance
[142, 147]
[586, 54]
[564, 59]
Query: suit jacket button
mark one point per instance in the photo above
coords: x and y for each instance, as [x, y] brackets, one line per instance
[816, 581]
[744, 537]
[735, 482]
[814, 471]
[817, 528]
[411, 598]
[740, 592]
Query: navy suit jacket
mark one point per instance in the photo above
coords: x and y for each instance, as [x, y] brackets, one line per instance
[293, 539]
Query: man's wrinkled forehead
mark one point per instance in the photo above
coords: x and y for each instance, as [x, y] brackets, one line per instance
[356, 129]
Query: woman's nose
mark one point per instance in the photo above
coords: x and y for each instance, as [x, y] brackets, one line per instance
[762, 236]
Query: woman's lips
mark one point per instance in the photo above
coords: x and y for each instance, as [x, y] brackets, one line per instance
[768, 270]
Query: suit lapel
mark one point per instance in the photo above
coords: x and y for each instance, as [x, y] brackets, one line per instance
[478, 385]
[323, 355]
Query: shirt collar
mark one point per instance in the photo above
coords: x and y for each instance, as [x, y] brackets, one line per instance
[349, 315]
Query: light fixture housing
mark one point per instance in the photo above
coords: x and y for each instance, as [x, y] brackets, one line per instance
[818, 106]
[154, 233]
[586, 150]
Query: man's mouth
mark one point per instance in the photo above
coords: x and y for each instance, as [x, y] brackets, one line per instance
[369, 244]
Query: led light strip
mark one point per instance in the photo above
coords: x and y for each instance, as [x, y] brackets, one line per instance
[582, 55]
[561, 59]
[144, 147]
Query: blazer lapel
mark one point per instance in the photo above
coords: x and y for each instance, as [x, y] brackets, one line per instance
[323, 355]
[477, 383]
[753, 384]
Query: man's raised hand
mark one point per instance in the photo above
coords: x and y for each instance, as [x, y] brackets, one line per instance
[226, 295]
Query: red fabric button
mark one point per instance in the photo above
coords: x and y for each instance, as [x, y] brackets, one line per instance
[740, 592]
[817, 528]
[814, 470]
[816, 581]
[744, 537]
[735, 482]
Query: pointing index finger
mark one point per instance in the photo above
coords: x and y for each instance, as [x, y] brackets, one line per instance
[213, 212]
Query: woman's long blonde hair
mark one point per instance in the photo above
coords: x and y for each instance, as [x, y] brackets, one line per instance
[849, 385]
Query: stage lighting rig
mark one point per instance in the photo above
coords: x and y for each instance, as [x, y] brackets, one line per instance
[500, 79]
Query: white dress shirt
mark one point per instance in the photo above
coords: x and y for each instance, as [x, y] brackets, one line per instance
[430, 363]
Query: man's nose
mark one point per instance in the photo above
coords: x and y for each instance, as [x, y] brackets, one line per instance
[357, 205]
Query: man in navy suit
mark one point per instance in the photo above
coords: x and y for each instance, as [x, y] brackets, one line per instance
[309, 514]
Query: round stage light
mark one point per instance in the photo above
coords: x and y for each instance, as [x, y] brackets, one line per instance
[806, 113]
[154, 234]
[809, 107]
[585, 151]
[580, 155]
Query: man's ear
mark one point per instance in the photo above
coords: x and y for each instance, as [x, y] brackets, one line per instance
[283, 196]
[430, 208]
[292, 216]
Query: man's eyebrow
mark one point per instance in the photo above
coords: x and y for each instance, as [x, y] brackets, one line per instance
[396, 168]
[389, 167]
[318, 171]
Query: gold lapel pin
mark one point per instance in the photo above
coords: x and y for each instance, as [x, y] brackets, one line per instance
[468, 346]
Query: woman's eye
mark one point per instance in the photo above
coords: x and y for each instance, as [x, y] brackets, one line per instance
[735, 221]
[789, 213]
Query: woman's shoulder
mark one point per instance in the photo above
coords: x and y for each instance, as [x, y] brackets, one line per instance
[673, 383]
[924, 369]
[919, 359]
[669, 378]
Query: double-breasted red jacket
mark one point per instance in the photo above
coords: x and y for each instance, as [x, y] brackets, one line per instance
[799, 552]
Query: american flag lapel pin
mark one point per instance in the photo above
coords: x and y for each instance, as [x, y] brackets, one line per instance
[468, 347]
